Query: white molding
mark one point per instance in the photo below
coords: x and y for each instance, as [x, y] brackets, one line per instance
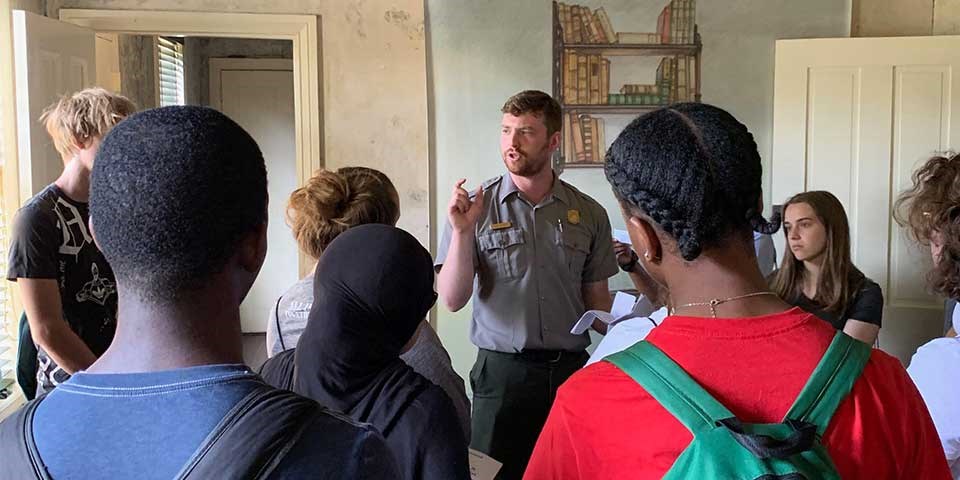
[302, 30]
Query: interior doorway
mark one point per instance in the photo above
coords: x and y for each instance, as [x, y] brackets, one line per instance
[158, 60]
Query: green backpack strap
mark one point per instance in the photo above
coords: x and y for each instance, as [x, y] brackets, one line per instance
[666, 382]
[831, 381]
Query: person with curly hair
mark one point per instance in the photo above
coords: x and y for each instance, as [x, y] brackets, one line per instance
[930, 211]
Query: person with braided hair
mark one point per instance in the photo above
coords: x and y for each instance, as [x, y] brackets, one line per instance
[534, 253]
[731, 354]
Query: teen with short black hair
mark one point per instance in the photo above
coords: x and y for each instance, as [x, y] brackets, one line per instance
[179, 206]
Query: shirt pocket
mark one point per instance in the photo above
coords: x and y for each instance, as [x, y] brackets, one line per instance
[576, 248]
[502, 251]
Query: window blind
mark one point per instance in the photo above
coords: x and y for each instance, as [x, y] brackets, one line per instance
[170, 72]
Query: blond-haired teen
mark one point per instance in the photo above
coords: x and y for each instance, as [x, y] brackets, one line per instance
[66, 285]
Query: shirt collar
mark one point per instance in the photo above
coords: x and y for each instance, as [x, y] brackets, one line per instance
[559, 191]
[507, 187]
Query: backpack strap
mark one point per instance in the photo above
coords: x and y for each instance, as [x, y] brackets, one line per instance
[666, 382]
[19, 455]
[254, 437]
[831, 381]
[276, 319]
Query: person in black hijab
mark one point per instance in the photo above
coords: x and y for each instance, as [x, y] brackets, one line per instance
[376, 287]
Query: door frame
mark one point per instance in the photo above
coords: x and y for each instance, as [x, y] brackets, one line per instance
[302, 30]
[11, 179]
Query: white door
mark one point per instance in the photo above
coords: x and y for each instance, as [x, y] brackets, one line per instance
[108, 61]
[856, 116]
[51, 58]
[258, 95]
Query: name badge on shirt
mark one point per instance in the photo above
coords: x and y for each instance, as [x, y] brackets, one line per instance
[573, 216]
[500, 226]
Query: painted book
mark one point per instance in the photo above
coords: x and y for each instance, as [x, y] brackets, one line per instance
[594, 80]
[583, 75]
[605, 25]
[638, 38]
[604, 79]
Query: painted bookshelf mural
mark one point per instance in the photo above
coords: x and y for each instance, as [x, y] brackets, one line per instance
[586, 48]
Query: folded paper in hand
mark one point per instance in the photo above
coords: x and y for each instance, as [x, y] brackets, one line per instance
[482, 467]
[622, 236]
[624, 306]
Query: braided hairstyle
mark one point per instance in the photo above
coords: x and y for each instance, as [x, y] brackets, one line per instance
[694, 170]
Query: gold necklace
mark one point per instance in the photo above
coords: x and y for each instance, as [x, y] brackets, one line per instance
[717, 301]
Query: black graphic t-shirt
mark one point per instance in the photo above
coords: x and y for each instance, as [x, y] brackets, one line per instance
[51, 239]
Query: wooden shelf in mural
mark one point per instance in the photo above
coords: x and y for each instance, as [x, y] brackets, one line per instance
[582, 73]
[633, 50]
[607, 108]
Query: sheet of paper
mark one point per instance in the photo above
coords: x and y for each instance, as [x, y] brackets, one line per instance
[622, 236]
[622, 306]
[586, 320]
[482, 467]
[644, 307]
[621, 336]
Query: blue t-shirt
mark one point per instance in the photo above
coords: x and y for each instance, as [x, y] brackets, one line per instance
[148, 425]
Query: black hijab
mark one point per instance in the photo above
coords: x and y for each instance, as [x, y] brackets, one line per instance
[373, 288]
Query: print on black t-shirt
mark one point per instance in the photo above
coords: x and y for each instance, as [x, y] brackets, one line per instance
[51, 240]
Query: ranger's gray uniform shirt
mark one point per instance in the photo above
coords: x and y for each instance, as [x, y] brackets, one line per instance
[531, 261]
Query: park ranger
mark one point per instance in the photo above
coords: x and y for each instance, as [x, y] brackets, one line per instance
[534, 253]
